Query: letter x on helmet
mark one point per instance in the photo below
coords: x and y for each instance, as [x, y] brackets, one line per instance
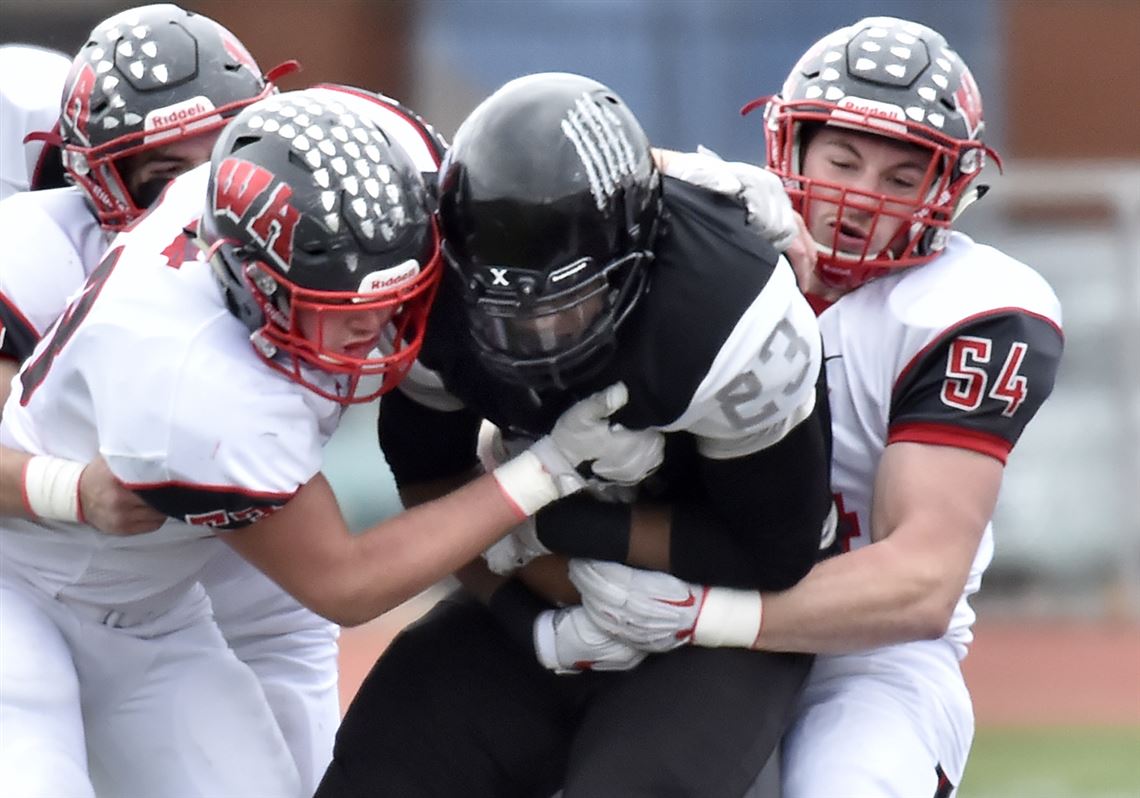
[549, 203]
[313, 211]
[147, 77]
[892, 78]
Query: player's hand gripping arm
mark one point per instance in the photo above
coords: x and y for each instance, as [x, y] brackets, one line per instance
[307, 549]
[931, 504]
[770, 212]
[63, 490]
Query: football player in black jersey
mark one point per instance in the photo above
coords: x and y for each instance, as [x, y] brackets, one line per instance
[574, 264]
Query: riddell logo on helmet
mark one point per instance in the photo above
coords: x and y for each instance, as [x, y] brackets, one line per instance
[870, 113]
[171, 120]
[386, 279]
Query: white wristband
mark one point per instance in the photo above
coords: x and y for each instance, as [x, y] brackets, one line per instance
[728, 617]
[51, 488]
[526, 483]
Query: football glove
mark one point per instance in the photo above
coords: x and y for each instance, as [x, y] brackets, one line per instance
[655, 611]
[769, 210]
[519, 547]
[583, 443]
[568, 641]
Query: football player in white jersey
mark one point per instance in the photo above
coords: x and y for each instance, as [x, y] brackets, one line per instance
[144, 100]
[573, 263]
[29, 103]
[207, 360]
[939, 350]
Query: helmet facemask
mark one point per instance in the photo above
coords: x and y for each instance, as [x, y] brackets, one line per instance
[926, 219]
[102, 171]
[291, 323]
[894, 79]
[529, 330]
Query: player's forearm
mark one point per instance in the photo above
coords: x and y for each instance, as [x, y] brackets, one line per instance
[12, 464]
[404, 555]
[875, 596]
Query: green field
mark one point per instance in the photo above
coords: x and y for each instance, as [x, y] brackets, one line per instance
[1054, 763]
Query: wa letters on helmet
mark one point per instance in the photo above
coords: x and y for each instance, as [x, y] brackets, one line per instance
[549, 203]
[892, 78]
[147, 77]
[312, 208]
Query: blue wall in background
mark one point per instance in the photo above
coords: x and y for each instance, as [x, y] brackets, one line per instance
[685, 66]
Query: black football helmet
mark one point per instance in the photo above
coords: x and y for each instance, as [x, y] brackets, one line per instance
[146, 77]
[313, 211]
[549, 204]
[894, 78]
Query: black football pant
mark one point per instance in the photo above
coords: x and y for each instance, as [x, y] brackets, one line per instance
[455, 709]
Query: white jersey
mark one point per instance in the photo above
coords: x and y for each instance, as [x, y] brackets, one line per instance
[959, 352]
[149, 369]
[30, 96]
[60, 243]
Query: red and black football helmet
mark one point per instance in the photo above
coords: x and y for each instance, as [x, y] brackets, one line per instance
[146, 77]
[894, 78]
[313, 207]
[549, 204]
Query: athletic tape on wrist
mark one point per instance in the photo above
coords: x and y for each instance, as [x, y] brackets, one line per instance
[51, 488]
[728, 618]
[526, 484]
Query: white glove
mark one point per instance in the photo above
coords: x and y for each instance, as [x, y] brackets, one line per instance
[520, 546]
[769, 210]
[568, 641]
[548, 470]
[656, 611]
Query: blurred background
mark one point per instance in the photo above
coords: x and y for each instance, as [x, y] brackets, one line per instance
[1061, 82]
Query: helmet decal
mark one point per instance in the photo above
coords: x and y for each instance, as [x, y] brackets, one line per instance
[195, 112]
[969, 100]
[602, 145]
[76, 108]
[347, 163]
[240, 183]
[387, 279]
[238, 52]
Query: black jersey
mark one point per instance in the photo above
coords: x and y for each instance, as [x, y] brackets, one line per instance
[722, 352]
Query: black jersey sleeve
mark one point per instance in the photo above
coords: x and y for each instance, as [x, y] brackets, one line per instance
[978, 384]
[212, 506]
[422, 444]
[757, 520]
[753, 521]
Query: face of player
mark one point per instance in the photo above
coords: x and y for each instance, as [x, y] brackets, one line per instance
[342, 330]
[868, 164]
[539, 335]
[149, 172]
